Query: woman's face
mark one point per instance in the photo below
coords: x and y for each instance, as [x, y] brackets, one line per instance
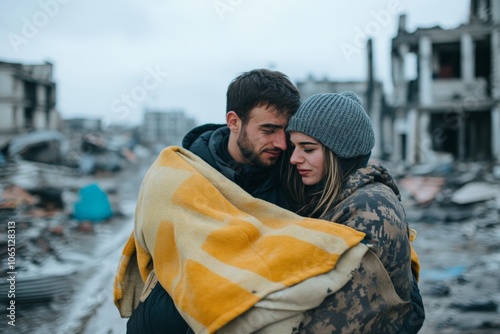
[308, 157]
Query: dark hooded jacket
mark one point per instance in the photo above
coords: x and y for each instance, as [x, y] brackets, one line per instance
[209, 142]
[157, 314]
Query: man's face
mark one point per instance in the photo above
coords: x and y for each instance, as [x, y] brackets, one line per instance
[263, 138]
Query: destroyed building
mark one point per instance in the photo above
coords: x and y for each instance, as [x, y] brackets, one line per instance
[452, 106]
[27, 98]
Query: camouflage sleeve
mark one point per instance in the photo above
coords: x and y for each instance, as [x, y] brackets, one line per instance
[375, 210]
[368, 303]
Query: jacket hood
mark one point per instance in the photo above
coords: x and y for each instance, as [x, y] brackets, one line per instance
[197, 134]
[367, 175]
[209, 142]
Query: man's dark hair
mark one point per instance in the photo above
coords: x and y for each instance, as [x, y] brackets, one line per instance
[262, 87]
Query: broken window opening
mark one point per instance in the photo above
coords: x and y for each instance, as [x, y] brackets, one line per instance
[482, 66]
[446, 60]
[446, 134]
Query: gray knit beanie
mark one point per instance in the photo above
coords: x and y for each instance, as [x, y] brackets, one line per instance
[338, 121]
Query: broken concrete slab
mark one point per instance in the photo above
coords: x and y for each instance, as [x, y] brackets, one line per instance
[423, 189]
[475, 305]
[475, 192]
[40, 146]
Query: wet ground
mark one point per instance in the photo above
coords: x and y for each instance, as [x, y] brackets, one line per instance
[460, 276]
[460, 272]
[88, 259]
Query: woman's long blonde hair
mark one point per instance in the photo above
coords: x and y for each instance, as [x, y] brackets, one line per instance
[314, 202]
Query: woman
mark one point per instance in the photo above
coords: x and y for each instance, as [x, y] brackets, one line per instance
[329, 178]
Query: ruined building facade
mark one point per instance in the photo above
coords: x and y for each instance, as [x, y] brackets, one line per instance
[27, 98]
[453, 104]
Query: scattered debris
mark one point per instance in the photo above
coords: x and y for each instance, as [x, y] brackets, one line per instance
[476, 306]
[423, 189]
[443, 273]
[39, 146]
[85, 226]
[436, 289]
[50, 198]
[475, 192]
[37, 288]
[496, 172]
[15, 197]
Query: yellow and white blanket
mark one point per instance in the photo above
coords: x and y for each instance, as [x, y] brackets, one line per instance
[229, 261]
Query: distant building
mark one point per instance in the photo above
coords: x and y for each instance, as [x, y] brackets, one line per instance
[453, 105]
[27, 98]
[165, 127]
[371, 94]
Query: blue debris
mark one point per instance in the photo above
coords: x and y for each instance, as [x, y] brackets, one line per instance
[93, 205]
[443, 274]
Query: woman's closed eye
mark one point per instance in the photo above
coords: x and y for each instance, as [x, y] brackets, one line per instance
[308, 149]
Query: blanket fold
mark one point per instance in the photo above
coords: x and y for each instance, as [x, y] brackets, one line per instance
[222, 254]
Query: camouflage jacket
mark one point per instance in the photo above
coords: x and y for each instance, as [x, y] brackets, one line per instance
[377, 299]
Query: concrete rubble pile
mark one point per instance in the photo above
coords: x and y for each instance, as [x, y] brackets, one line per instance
[58, 207]
[455, 209]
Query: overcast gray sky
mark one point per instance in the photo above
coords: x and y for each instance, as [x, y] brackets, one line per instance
[113, 58]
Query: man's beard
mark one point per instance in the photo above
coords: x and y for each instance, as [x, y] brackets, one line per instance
[248, 151]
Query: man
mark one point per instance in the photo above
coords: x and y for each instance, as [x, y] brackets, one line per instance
[259, 104]
[245, 150]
